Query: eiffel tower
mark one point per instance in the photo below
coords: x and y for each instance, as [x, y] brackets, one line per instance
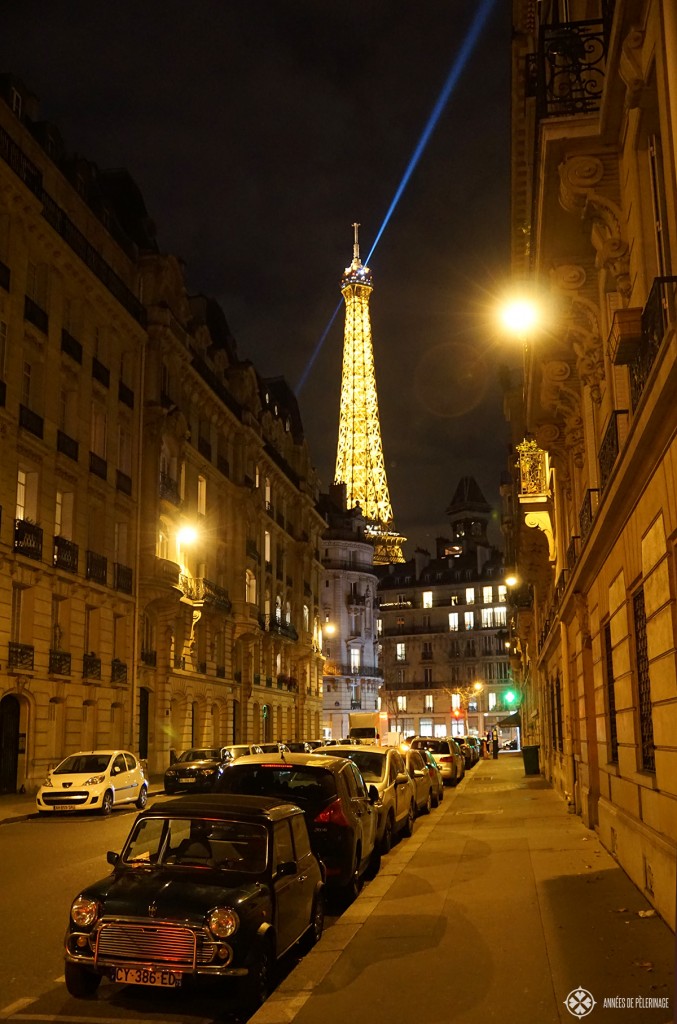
[359, 455]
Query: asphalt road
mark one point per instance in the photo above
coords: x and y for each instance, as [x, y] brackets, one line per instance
[45, 862]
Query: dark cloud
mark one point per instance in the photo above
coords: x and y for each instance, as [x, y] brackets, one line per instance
[258, 132]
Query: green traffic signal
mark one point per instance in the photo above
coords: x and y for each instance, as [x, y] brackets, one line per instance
[510, 697]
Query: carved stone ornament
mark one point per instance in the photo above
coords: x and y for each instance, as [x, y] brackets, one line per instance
[579, 177]
[559, 393]
[630, 67]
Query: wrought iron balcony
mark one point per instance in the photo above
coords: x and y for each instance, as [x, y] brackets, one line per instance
[572, 551]
[610, 447]
[149, 658]
[122, 578]
[65, 554]
[71, 346]
[35, 314]
[30, 421]
[91, 666]
[98, 466]
[587, 511]
[273, 625]
[125, 394]
[97, 568]
[566, 74]
[118, 671]
[28, 539]
[100, 372]
[204, 591]
[20, 657]
[59, 663]
[123, 482]
[66, 445]
[658, 314]
[169, 490]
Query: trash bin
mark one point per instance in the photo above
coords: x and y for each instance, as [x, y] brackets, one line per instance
[530, 756]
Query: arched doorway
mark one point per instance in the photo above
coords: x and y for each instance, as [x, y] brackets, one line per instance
[9, 742]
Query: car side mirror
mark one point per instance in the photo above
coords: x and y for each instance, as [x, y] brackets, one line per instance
[112, 857]
[402, 777]
[373, 794]
[286, 867]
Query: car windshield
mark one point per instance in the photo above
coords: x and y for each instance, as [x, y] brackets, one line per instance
[201, 754]
[83, 764]
[188, 842]
[307, 785]
[372, 766]
[436, 746]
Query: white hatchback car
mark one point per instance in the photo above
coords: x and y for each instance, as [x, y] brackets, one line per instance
[94, 780]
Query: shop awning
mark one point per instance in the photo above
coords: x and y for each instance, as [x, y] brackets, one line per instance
[513, 721]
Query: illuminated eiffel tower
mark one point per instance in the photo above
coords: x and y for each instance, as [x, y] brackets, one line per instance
[359, 455]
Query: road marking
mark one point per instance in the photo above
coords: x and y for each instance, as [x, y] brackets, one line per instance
[7, 1011]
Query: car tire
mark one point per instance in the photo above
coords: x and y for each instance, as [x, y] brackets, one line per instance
[436, 798]
[440, 794]
[107, 802]
[142, 798]
[257, 985]
[314, 932]
[81, 982]
[374, 863]
[408, 829]
[427, 806]
[388, 833]
[351, 889]
[170, 790]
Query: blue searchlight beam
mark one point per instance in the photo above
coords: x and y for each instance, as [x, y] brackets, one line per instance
[459, 64]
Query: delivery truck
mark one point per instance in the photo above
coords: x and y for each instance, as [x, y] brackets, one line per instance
[370, 727]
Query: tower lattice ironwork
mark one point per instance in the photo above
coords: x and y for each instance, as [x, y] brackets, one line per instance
[359, 455]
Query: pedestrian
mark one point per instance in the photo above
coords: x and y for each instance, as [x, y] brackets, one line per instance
[483, 749]
[494, 742]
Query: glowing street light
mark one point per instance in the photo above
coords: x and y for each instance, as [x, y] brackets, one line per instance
[519, 316]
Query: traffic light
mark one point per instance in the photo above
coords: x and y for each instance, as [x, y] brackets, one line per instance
[510, 697]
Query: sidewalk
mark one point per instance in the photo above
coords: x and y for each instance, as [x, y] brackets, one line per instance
[500, 907]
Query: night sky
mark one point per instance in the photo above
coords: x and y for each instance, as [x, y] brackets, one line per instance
[258, 131]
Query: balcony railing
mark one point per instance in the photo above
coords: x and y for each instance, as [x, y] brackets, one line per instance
[572, 552]
[30, 421]
[59, 663]
[66, 445]
[567, 73]
[123, 482]
[610, 447]
[71, 346]
[587, 512]
[125, 394]
[20, 657]
[28, 538]
[273, 625]
[118, 671]
[100, 372]
[122, 578]
[98, 466]
[149, 658]
[335, 668]
[91, 666]
[35, 314]
[65, 554]
[97, 567]
[657, 315]
[200, 589]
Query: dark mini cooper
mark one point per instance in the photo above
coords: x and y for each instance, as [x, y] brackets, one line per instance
[218, 886]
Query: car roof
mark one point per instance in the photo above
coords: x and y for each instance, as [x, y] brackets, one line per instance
[281, 760]
[78, 753]
[261, 808]
[364, 748]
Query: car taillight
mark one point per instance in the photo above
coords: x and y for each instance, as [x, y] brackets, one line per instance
[333, 815]
[445, 758]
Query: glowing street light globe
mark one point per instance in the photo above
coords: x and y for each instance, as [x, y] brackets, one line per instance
[186, 535]
[519, 316]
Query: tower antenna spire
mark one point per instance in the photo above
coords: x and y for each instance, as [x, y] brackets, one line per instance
[359, 456]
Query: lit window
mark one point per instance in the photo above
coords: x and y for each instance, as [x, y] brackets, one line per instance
[453, 620]
[401, 702]
[487, 595]
[455, 701]
[469, 595]
[401, 652]
[487, 618]
[500, 617]
[502, 592]
[428, 705]
[201, 496]
[427, 598]
[425, 725]
[355, 659]
[469, 620]
[492, 701]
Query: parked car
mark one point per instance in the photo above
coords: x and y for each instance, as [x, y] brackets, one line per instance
[274, 748]
[342, 814]
[447, 754]
[195, 769]
[94, 780]
[241, 749]
[435, 776]
[418, 772]
[205, 886]
[299, 747]
[474, 746]
[466, 750]
[384, 768]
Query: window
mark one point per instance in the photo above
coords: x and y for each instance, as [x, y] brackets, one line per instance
[427, 652]
[250, 586]
[266, 548]
[492, 701]
[427, 675]
[469, 595]
[648, 760]
[201, 496]
[455, 701]
[401, 702]
[487, 617]
[469, 620]
[425, 725]
[401, 599]
[454, 599]
[63, 514]
[124, 450]
[354, 659]
[487, 594]
[428, 705]
[453, 621]
[608, 667]
[400, 652]
[26, 385]
[427, 598]
[500, 616]
[98, 432]
[502, 592]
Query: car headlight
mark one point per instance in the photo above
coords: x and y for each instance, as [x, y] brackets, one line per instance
[95, 780]
[84, 911]
[222, 922]
[170, 773]
[207, 771]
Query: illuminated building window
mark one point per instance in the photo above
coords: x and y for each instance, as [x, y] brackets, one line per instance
[455, 701]
[487, 595]
[427, 675]
[429, 705]
[502, 592]
[500, 616]
[492, 701]
[401, 702]
[355, 659]
[427, 598]
[469, 620]
[201, 496]
[469, 595]
[453, 620]
[401, 652]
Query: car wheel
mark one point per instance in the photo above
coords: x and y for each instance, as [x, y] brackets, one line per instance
[80, 982]
[351, 890]
[387, 837]
[258, 982]
[170, 790]
[436, 797]
[374, 863]
[107, 802]
[408, 829]
[314, 933]
[142, 799]
[427, 807]
[440, 793]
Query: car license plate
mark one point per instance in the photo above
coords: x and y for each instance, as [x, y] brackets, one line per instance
[63, 807]
[184, 781]
[146, 976]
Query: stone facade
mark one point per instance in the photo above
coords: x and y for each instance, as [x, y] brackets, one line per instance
[594, 233]
[160, 532]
